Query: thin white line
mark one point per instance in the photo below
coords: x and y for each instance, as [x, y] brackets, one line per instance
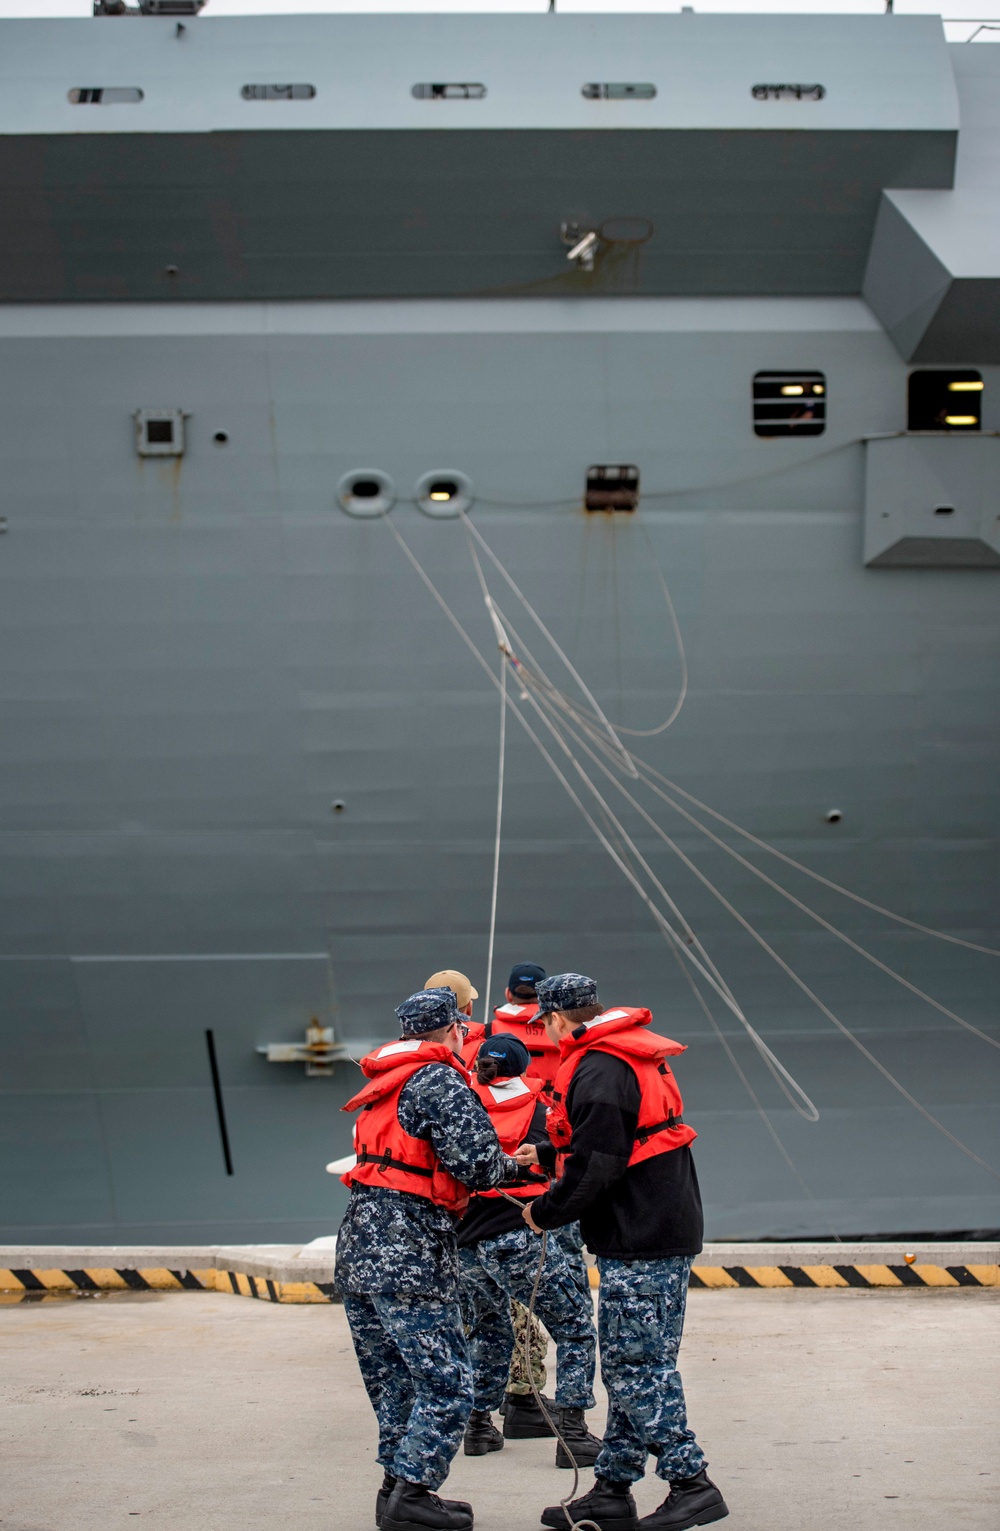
[202, 957]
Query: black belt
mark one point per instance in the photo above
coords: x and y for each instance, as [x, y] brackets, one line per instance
[386, 1162]
[645, 1133]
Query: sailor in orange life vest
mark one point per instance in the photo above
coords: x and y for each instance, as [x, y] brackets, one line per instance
[499, 1261]
[516, 1016]
[522, 1417]
[629, 1177]
[421, 1139]
[450, 978]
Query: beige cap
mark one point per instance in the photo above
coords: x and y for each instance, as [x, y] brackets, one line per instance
[449, 979]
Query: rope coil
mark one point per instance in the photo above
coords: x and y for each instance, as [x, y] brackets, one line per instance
[571, 1524]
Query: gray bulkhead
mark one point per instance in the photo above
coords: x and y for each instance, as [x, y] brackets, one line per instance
[202, 654]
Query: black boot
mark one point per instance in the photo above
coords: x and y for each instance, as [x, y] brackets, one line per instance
[608, 1505]
[584, 1446]
[389, 1483]
[412, 1507]
[523, 1420]
[691, 1502]
[481, 1434]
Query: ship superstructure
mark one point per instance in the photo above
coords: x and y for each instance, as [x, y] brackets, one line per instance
[275, 290]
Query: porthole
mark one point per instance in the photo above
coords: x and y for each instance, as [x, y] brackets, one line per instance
[443, 494]
[105, 95]
[454, 92]
[944, 401]
[278, 92]
[365, 493]
[789, 404]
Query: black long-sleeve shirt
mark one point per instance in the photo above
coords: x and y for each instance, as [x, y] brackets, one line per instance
[489, 1216]
[647, 1212]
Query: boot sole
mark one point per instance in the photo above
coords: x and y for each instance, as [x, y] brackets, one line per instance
[389, 1524]
[479, 1450]
[619, 1523]
[528, 1433]
[586, 1460]
[700, 1518]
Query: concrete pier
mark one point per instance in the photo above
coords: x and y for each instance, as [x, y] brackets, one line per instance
[821, 1410]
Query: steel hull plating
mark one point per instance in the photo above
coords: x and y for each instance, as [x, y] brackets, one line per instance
[203, 654]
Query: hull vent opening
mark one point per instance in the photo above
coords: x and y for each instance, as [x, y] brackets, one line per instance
[944, 401]
[454, 92]
[105, 95]
[788, 92]
[789, 404]
[612, 486]
[159, 432]
[621, 90]
[278, 92]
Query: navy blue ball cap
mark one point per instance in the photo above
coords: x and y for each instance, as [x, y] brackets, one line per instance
[427, 1010]
[565, 991]
[524, 979]
[508, 1053]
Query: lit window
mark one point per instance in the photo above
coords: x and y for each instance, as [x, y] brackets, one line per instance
[944, 401]
[612, 486]
[449, 92]
[105, 95]
[278, 92]
[789, 404]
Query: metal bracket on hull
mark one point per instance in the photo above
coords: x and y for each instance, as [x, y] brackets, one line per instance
[319, 1052]
[930, 501]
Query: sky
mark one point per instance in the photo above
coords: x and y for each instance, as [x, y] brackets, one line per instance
[962, 15]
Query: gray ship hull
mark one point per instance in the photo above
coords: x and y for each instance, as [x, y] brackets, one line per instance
[203, 654]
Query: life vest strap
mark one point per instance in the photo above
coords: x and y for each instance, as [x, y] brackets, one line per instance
[386, 1162]
[645, 1133]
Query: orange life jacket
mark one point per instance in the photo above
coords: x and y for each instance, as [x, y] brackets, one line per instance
[620, 1033]
[473, 1042]
[517, 1020]
[511, 1110]
[387, 1156]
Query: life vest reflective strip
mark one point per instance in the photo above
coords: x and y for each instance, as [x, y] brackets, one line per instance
[511, 1105]
[517, 1021]
[388, 1156]
[620, 1033]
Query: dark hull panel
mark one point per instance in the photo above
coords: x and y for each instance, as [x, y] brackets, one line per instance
[438, 214]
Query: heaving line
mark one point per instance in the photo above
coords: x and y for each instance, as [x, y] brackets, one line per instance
[547, 701]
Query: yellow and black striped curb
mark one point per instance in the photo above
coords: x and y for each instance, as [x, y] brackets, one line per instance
[721, 1276]
[35, 1285]
[254, 1273]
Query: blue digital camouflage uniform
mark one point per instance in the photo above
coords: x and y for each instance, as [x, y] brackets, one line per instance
[570, 1240]
[640, 1317]
[397, 1271]
[494, 1271]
